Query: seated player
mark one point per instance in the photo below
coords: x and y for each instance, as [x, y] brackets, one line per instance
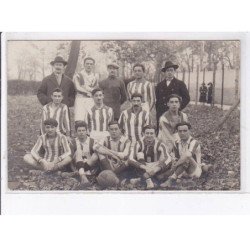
[134, 119]
[150, 155]
[187, 152]
[58, 111]
[55, 147]
[167, 133]
[83, 152]
[99, 116]
[115, 150]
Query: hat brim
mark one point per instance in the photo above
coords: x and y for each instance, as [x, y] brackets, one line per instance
[172, 66]
[113, 65]
[63, 62]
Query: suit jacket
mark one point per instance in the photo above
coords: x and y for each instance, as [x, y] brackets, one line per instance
[49, 83]
[163, 91]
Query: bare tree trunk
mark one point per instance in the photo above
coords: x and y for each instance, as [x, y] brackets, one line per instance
[73, 58]
[213, 87]
[197, 85]
[122, 69]
[227, 114]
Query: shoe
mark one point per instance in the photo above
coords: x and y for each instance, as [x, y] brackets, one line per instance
[135, 181]
[206, 167]
[84, 181]
[168, 183]
[35, 172]
[150, 184]
[123, 183]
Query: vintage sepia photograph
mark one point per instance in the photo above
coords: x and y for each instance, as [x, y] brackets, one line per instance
[123, 115]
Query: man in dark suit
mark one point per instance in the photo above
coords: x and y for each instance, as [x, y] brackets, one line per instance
[57, 80]
[167, 87]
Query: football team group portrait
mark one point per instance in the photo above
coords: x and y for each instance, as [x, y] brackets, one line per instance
[123, 115]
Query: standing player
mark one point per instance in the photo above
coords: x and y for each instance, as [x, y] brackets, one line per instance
[56, 148]
[99, 116]
[150, 156]
[114, 90]
[83, 152]
[168, 121]
[58, 111]
[85, 82]
[187, 152]
[134, 119]
[142, 86]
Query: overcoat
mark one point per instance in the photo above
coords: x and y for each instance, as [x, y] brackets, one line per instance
[162, 91]
[49, 83]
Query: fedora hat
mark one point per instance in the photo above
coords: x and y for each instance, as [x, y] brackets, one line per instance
[169, 64]
[58, 59]
[113, 64]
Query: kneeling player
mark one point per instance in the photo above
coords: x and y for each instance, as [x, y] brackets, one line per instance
[55, 147]
[187, 152]
[58, 111]
[83, 152]
[150, 155]
[113, 153]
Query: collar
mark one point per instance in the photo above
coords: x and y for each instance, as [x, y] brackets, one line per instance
[86, 73]
[58, 74]
[167, 80]
[142, 80]
[132, 110]
[117, 140]
[149, 143]
[99, 107]
[56, 134]
[188, 140]
[112, 77]
[85, 142]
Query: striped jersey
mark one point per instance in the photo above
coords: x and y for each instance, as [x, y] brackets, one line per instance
[152, 152]
[53, 147]
[85, 147]
[146, 89]
[122, 145]
[60, 114]
[167, 125]
[85, 82]
[132, 123]
[190, 145]
[99, 118]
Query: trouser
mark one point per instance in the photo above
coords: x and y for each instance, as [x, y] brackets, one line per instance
[82, 105]
[32, 162]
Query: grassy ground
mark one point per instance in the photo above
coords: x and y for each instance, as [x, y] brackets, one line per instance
[222, 149]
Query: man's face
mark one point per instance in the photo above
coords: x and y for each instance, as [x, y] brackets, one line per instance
[112, 71]
[81, 132]
[138, 72]
[89, 65]
[136, 102]
[57, 97]
[183, 132]
[149, 134]
[169, 73]
[58, 68]
[114, 131]
[50, 130]
[98, 97]
[174, 104]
